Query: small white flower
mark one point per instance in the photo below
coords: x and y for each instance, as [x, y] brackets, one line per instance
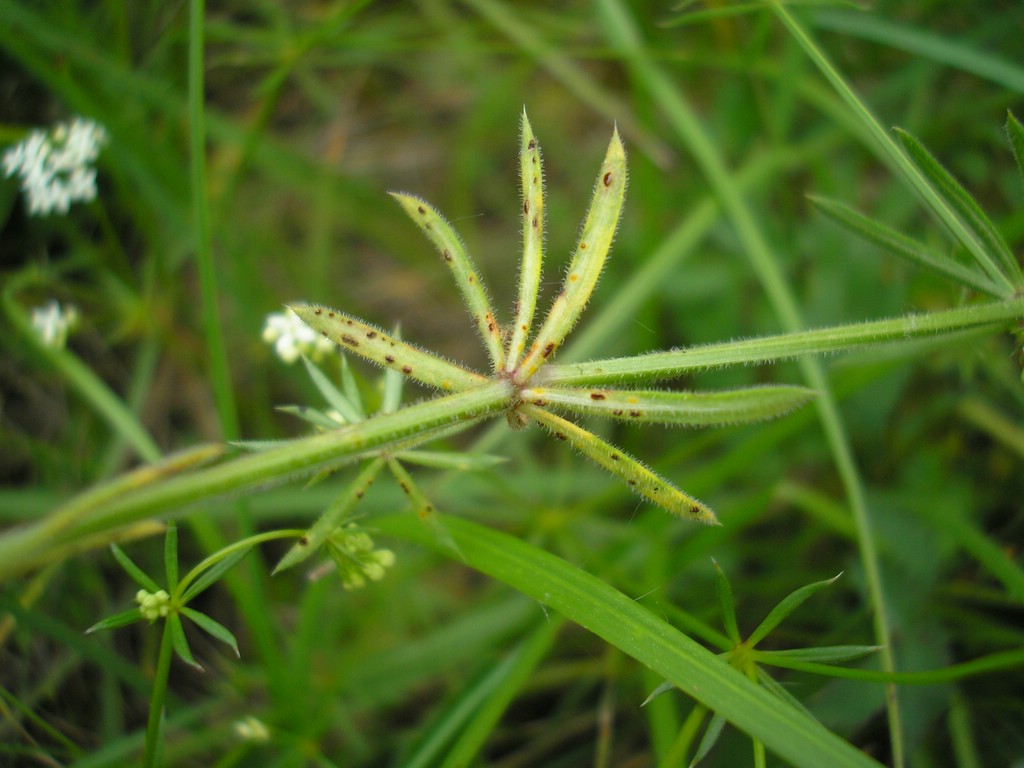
[292, 338]
[56, 166]
[53, 323]
[250, 728]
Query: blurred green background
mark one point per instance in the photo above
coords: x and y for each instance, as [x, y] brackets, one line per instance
[315, 109]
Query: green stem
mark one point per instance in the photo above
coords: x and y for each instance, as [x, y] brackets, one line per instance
[154, 726]
[766, 349]
[23, 548]
[96, 394]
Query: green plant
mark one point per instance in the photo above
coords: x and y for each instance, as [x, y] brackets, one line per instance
[225, 186]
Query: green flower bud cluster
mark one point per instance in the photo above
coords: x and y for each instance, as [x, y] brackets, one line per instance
[352, 551]
[153, 605]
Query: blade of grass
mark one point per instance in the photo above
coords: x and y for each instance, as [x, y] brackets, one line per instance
[82, 379]
[964, 206]
[625, 36]
[625, 624]
[958, 53]
[907, 169]
[220, 375]
[1015, 135]
[461, 732]
[899, 244]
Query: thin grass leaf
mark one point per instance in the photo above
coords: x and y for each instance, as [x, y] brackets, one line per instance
[638, 632]
[313, 416]
[351, 389]
[651, 486]
[138, 575]
[785, 607]
[452, 460]
[891, 150]
[587, 262]
[122, 619]
[662, 689]
[739, 9]
[726, 605]
[531, 176]
[171, 556]
[1015, 135]
[467, 276]
[690, 409]
[709, 739]
[332, 395]
[180, 642]
[336, 514]
[208, 576]
[456, 737]
[969, 211]
[765, 349]
[213, 628]
[771, 685]
[375, 345]
[423, 507]
[900, 245]
[834, 654]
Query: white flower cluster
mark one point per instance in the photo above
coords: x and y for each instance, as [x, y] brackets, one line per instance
[53, 323]
[292, 338]
[153, 605]
[55, 166]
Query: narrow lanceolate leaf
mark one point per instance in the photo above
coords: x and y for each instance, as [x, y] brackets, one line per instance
[380, 347]
[122, 619]
[900, 245]
[309, 415]
[690, 409]
[651, 486]
[467, 277]
[726, 604]
[425, 510]
[1015, 133]
[180, 642]
[213, 628]
[209, 572]
[138, 575]
[336, 514]
[785, 607]
[1005, 269]
[587, 263]
[453, 460]
[531, 174]
[334, 397]
[831, 654]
